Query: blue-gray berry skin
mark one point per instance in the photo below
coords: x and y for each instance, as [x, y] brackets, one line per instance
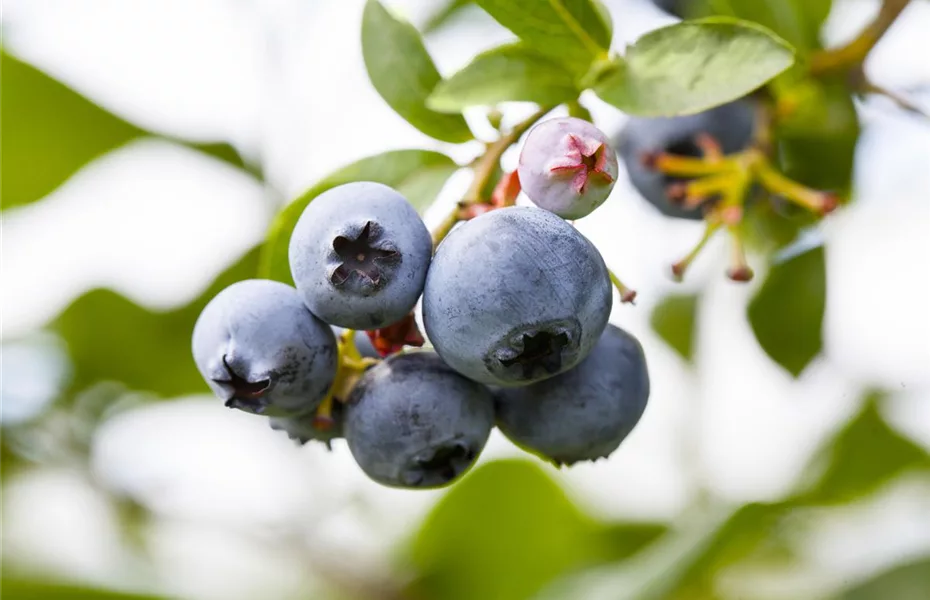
[302, 429]
[731, 125]
[515, 296]
[413, 422]
[260, 349]
[359, 256]
[583, 414]
[673, 7]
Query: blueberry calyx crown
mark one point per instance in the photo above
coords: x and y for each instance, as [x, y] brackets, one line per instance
[585, 160]
[541, 350]
[360, 256]
[247, 395]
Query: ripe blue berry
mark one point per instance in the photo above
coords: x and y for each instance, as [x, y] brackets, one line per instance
[304, 428]
[515, 296]
[567, 166]
[359, 255]
[411, 421]
[730, 125]
[583, 414]
[260, 349]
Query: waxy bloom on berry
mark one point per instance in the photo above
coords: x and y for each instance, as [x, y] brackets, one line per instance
[567, 167]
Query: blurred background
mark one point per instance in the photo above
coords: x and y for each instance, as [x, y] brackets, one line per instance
[146, 147]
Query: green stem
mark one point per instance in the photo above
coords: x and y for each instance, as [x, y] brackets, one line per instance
[483, 171]
[854, 53]
[627, 294]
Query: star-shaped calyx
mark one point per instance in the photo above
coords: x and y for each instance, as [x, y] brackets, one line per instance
[247, 395]
[359, 256]
[584, 159]
[541, 350]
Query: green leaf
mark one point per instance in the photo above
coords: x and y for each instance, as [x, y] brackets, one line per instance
[417, 174]
[786, 313]
[447, 10]
[863, 456]
[513, 72]
[504, 531]
[817, 139]
[797, 21]
[693, 66]
[50, 131]
[29, 589]
[110, 338]
[904, 582]
[691, 573]
[402, 71]
[674, 320]
[575, 33]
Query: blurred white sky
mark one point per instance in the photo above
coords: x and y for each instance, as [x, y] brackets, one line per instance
[284, 79]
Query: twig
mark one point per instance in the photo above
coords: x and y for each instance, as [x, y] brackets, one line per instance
[483, 171]
[855, 52]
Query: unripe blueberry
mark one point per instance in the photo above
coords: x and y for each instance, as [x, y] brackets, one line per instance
[411, 421]
[583, 414]
[514, 296]
[730, 125]
[359, 255]
[260, 349]
[567, 167]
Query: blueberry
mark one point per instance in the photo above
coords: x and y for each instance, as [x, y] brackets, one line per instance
[583, 414]
[731, 125]
[359, 255]
[567, 166]
[302, 429]
[673, 7]
[514, 296]
[260, 349]
[411, 421]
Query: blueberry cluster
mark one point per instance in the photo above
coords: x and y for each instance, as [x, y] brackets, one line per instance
[515, 303]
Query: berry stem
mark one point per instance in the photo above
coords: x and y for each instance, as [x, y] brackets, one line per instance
[686, 166]
[349, 368]
[679, 268]
[815, 201]
[852, 54]
[484, 169]
[739, 268]
[627, 294]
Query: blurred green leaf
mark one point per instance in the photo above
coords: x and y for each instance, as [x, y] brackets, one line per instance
[863, 456]
[503, 532]
[50, 131]
[674, 319]
[417, 174]
[513, 72]
[797, 21]
[786, 313]
[402, 71]
[905, 582]
[816, 140]
[16, 588]
[693, 66]
[690, 574]
[683, 563]
[447, 10]
[575, 33]
[110, 338]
